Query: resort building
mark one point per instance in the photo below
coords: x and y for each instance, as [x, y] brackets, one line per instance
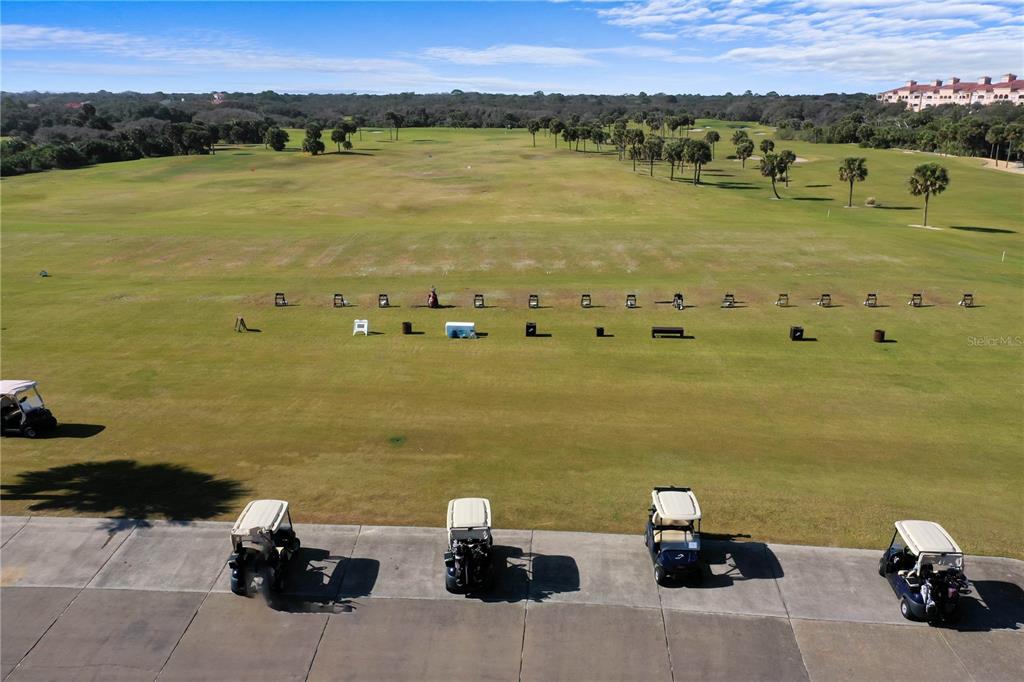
[917, 97]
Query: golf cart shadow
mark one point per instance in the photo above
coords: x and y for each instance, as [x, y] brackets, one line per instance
[125, 489]
[995, 605]
[65, 430]
[730, 560]
[313, 583]
[553, 574]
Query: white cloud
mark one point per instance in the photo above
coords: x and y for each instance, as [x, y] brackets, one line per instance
[511, 54]
[195, 56]
[658, 35]
[879, 40]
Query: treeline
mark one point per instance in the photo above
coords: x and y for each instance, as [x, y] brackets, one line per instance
[995, 131]
[72, 129]
[26, 112]
[84, 136]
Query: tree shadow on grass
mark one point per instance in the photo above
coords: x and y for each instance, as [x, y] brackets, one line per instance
[126, 489]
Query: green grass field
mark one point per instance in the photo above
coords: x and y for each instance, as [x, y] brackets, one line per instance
[818, 443]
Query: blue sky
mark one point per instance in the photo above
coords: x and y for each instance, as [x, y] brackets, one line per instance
[673, 46]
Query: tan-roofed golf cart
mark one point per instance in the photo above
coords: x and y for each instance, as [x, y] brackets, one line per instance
[262, 537]
[468, 561]
[22, 410]
[925, 568]
[673, 534]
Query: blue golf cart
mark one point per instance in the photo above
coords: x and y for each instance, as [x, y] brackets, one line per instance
[925, 568]
[673, 535]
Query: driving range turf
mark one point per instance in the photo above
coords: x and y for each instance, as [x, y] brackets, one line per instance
[823, 442]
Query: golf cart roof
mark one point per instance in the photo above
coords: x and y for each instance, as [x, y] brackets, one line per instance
[469, 512]
[675, 506]
[12, 386]
[260, 515]
[927, 537]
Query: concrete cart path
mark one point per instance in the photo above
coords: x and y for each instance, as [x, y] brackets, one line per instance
[99, 599]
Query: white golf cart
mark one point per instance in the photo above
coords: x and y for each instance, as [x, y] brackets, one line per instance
[468, 561]
[673, 534]
[22, 410]
[925, 568]
[262, 537]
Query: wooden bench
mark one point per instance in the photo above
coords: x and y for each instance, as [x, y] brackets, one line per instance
[665, 332]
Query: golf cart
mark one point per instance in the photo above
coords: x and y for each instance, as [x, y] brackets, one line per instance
[262, 537]
[468, 562]
[673, 534]
[925, 568]
[22, 410]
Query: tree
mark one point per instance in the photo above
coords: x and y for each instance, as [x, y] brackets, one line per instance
[673, 153]
[652, 149]
[556, 129]
[698, 152]
[767, 146]
[635, 139]
[744, 149]
[711, 137]
[853, 169]
[673, 123]
[619, 138]
[533, 125]
[275, 138]
[337, 137]
[788, 158]
[772, 168]
[312, 143]
[598, 136]
[1014, 138]
[739, 136]
[395, 119]
[687, 121]
[928, 179]
[994, 137]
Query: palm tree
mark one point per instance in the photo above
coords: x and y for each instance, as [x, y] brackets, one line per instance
[687, 121]
[788, 159]
[337, 137]
[556, 129]
[739, 136]
[673, 153]
[533, 125]
[994, 137]
[653, 148]
[853, 169]
[744, 149]
[619, 138]
[767, 146]
[395, 119]
[928, 179]
[771, 167]
[711, 137]
[698, 152]
[635, 139]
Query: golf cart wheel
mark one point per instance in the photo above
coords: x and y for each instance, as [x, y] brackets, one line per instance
[881, 569]
[905, 609]
[698, 576]
[277, 583]
[450, 584]
[660, 576]
[29, 432]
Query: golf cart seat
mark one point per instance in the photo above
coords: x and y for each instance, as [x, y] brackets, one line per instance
[661, 536]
